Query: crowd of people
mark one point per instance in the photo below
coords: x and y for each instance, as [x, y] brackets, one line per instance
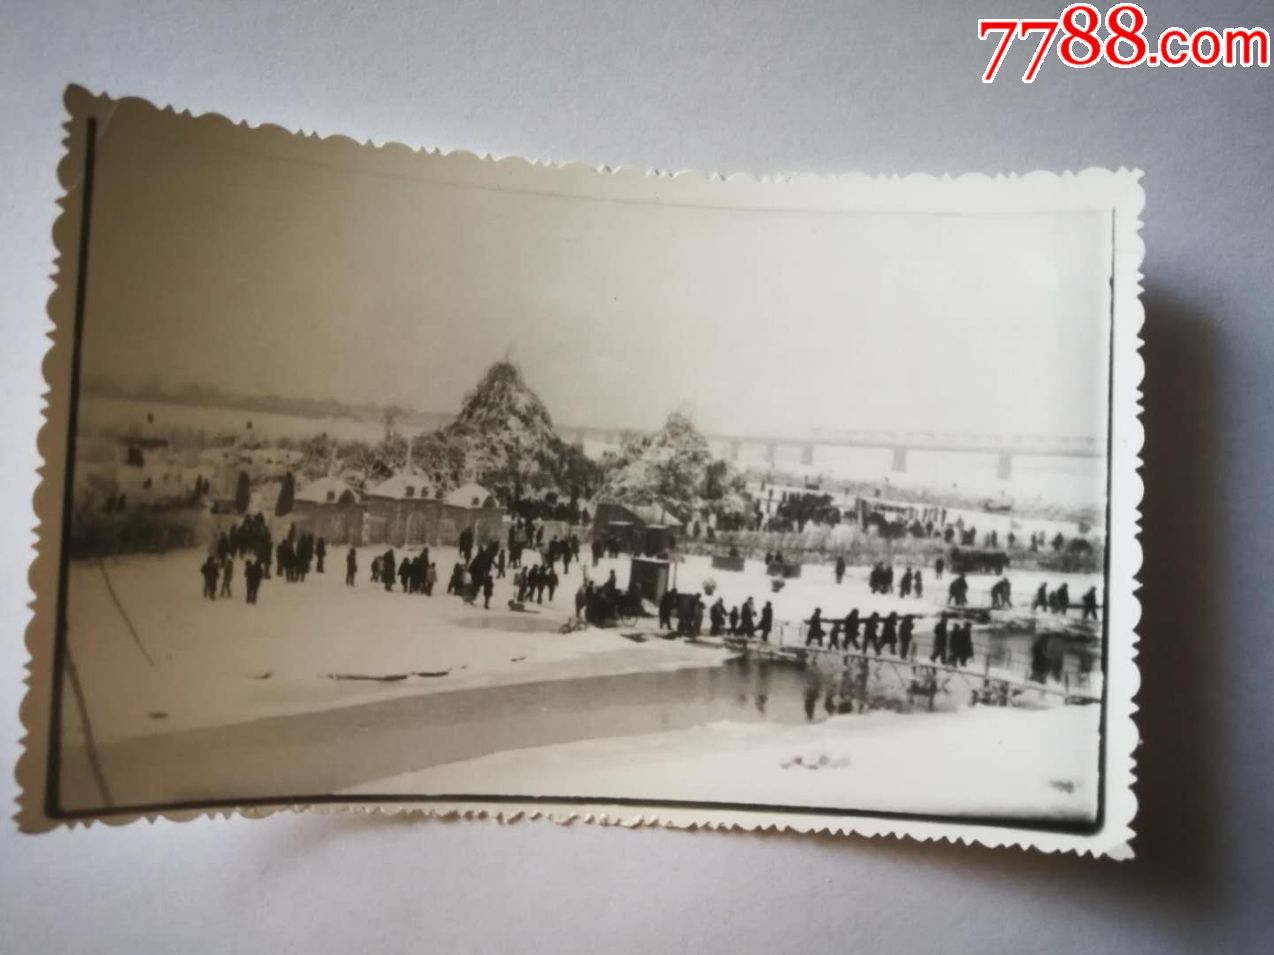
[1059, 601]
[881, 579]
[250, 540]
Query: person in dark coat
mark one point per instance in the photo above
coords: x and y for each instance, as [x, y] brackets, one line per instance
[766, 623]
[889, 633]
[716, 618]
[320, 552]
[747, 619]
[1041, 599]
[351, 567]
[904, 587]
[210, 572]
[388, 565]
[939, 654]
[227, 574]
[550, 582]
[500, 563]
[815, 634]
[734, 621]
[850, 629]
[905, 631]
[404, 575]
[1063, 599]
[1089, 603]
[252, 574]
[666, 603]
[938, 566]
[962, 644]
[488, 588]
[840, 569]
[917, 584]
[870, 640]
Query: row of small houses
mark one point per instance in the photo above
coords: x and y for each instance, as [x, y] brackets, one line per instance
[403, 510]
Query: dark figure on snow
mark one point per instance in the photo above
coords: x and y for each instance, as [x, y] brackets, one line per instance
[456, 584]
[1041, 599]
[1063, 599]
[917, 585]
[585, 594]
[939, 654]
[550, 582]
[320, 552]
[840, 569]
[499, 563]
[939, 566]
[870, 640]
[905, 632]
[734, 621]
[404, 575]
[767, 622]
[1089, 602]
[816, 628]
[964, 650]
[666, 604]
[716, 618]
[210, 571]
[889, 633]
[376, 561]
[466, 544]
[833, 636]
[904, 587]
[488, 588]
[388, 565]
[851, 629]
[958, 592]
[351, 567]
[747, 618]
[252, 574]
[227, 574]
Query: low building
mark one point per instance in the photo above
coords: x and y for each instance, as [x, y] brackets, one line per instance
[326, 490]
[404, 510]
[637, 528]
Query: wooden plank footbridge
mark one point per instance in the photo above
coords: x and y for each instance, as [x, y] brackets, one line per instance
[992, 678]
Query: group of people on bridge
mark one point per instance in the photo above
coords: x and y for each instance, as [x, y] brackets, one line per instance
[1059, 601]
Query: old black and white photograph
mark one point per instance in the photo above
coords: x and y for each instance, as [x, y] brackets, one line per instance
[402, 477]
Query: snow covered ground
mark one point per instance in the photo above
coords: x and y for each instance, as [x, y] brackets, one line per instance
[311, 646]
[180, 691]
[977, 761]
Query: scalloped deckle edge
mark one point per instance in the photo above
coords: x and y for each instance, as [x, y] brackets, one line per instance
[1118, 192]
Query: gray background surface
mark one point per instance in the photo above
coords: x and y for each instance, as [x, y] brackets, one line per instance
[729, 87]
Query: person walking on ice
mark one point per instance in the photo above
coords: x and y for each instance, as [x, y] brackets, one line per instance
[351, 567]
[227, 573]
[815, 634]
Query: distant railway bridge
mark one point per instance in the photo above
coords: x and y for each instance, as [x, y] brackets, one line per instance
[900, 443]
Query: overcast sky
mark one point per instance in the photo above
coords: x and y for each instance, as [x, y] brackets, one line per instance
[257, 274]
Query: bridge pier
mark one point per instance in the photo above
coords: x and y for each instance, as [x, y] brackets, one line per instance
[1004, 467]
[900, 460]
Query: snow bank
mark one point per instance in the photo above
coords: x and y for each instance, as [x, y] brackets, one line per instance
[976, 761]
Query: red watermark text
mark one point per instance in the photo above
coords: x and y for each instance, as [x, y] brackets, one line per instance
[1083, 38]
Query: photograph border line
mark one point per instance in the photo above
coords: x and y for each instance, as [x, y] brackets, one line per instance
[77, 174]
